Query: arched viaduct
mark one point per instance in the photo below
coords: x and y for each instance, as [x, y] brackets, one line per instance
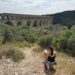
[33, 21]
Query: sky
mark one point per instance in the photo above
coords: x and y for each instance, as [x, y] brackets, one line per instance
[36, 7]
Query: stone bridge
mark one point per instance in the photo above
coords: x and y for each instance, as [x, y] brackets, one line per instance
[33, 21]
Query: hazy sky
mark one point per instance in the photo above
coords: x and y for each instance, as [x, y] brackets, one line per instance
[36, 6]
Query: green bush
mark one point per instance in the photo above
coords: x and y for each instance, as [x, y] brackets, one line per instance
[60, 43]
[27, 35]
[73, 29]
[71, 45]
[19, 23]
[9, 23]
[7, 36]
[62, 40]
[45, 41]
[15, 54]
[60, 36]
[65, 42]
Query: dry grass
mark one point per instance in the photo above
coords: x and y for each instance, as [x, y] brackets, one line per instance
[3, 49]
[11, 51]
[19, 44]
[15, 54]
[65, 63]
[37, 48]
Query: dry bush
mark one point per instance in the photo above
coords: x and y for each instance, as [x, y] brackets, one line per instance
[15, 54]
[37, 48]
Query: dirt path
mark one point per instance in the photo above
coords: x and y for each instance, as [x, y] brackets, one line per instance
[33, 65]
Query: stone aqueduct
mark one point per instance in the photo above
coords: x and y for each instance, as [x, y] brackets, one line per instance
[34, 21]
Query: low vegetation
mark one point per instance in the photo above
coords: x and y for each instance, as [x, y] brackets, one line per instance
[14, 39]
[45, 41]
[62, 38]
[37, 48]
[14, 54]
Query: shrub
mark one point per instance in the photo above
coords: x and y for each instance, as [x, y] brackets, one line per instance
[60, 43]
[28, 36]
[9, 23]
[45, 41]
[71, 45]
[62, 40]
[15, 54]
[2, 52]
[73, 29]
[65, 42]
[19, 23]
[7, 35]
[37, 48]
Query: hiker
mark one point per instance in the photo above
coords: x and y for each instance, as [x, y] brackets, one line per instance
[50, 55]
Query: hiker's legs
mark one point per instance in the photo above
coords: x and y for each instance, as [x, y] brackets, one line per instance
[46, 65]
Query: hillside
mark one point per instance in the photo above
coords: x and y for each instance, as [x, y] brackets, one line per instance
[64, 18]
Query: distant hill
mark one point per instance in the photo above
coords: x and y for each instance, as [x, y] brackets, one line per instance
[65, 18]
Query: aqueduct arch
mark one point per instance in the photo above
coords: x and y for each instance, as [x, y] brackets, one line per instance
[30, 20]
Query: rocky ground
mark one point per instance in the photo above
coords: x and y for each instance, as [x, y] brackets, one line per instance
[33, 65]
